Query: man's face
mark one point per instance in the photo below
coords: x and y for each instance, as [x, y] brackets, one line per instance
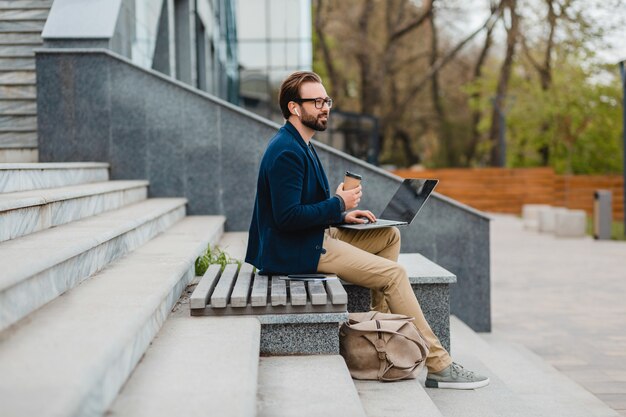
[312, 117]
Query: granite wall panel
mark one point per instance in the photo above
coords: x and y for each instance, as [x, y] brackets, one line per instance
[94, 105]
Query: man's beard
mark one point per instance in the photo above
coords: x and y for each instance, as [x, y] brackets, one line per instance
[313, 122]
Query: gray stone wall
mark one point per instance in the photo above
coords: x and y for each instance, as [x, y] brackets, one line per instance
[94, 105]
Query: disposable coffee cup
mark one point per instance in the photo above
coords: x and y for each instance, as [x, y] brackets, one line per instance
[351, 181]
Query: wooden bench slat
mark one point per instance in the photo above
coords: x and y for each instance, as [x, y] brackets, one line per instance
[337, 293]
[297, 293]
[259, 291]
[317, 293]
[279, 292]
[239, 298]
[203, 290]
[220, 296]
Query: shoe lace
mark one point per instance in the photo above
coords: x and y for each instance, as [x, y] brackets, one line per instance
[458, 370]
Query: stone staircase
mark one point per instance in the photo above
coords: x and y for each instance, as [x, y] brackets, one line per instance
[21, 23]
[95, 320]
[90, 271]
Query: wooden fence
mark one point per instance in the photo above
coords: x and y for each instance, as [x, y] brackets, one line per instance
[503, 190]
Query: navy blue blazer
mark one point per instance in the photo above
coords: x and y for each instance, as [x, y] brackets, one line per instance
[292, 207]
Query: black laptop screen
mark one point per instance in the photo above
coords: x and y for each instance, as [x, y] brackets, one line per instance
[408, 200]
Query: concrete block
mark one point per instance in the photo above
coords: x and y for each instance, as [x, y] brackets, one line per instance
[530, 215]
[571, 223]
[547, 218]
[301, 334]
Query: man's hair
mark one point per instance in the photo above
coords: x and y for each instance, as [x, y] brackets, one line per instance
[290, 89]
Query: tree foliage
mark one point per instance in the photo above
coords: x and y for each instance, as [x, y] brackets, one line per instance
[437, 85]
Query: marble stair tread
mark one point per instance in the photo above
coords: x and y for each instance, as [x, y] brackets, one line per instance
[32, 176]
[41, 266]
[22, 26]
[19, 51]
[17, 77]
[530, 377]
[36, 166]
[21, 199]
[306, 386]
[18, 38]
[72, 356]
[16, 64]
[26, 212]
[16, 140]
[18, 154]
[13, 107]
[193, 365]
[25, 4]
[22, 13]
[398, 399]
[28, 255]
[494, 400]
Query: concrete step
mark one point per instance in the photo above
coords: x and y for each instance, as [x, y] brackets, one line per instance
[16, 64]
[20, 14]
[522, 384]
[25, 4]
[22, 26]
[494, 400]
[18, 140]
[18, 92]
[398, 399]
[27, 107]
[18, 38]
[26, 212]
[196, 366]
[18, 155]
[17, 78]
[306, 386]
[39, 267]
[71, 357]
[18, 51]
[27, 176]
[8, 123]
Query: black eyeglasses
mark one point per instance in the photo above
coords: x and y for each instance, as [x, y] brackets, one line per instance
[319, 102]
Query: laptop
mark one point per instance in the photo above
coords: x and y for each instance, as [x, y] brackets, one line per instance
[403, 207]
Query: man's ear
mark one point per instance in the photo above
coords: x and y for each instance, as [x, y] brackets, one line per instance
[294, 109]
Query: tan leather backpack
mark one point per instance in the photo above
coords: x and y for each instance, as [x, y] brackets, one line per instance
[386, 347]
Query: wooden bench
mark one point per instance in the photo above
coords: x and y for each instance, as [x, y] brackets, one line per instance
[296, 317]
[303, 317]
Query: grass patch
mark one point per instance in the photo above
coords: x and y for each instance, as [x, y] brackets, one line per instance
[212, 256]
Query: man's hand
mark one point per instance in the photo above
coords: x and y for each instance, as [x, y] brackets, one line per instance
[357, 216]
[351, 197]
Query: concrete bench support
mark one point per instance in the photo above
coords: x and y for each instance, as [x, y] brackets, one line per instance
[296, 317]
[430, 284]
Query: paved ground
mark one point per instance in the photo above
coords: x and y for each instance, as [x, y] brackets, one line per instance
[565, 299]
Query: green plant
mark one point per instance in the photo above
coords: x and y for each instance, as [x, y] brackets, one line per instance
[211, 256]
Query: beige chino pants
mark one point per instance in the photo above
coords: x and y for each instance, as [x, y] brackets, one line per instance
[368, 258]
